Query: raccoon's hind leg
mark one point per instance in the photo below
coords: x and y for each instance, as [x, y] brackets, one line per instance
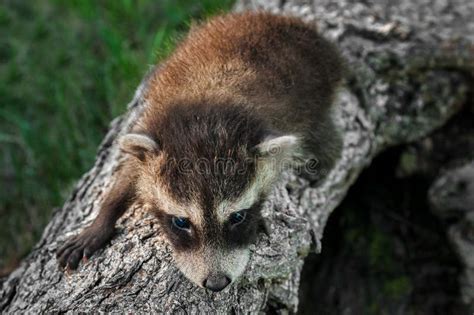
[102, 229]
[324, 146]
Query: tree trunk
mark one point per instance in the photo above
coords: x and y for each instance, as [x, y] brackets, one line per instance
[411, 65]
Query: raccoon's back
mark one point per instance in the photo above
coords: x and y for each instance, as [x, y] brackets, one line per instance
[279, 65]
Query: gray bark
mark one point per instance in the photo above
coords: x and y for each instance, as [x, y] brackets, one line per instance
[452, 197]
[410, 64]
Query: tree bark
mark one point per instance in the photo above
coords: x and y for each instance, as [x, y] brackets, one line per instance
[410, 69]
[452, 199]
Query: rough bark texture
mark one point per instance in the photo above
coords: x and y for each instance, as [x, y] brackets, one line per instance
[452, 197]
[410, 64]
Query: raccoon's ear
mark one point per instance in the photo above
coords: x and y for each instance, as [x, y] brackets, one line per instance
[138, 145]
[278, 146]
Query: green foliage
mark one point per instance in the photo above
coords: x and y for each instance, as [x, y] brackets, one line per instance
[66, 69]
[374, 248]
[398, 287]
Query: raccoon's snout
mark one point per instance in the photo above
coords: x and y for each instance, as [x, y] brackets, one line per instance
[216, 282]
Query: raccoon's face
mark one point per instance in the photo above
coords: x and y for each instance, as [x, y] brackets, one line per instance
[211, 249]
[207, 194]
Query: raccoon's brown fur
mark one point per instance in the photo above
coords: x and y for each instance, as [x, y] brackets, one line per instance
[236, 88]
[278, 67]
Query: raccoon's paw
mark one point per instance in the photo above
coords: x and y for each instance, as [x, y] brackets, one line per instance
[82, 246]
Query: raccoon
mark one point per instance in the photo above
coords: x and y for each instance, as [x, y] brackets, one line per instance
[243, 96]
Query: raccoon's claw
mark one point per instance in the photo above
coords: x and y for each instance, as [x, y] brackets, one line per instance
[81, 247]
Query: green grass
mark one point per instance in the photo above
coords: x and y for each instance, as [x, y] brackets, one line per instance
[66, 69]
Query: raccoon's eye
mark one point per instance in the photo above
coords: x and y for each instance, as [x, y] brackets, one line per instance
[181, 223]
[237, 217]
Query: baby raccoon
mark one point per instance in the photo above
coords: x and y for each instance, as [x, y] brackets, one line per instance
[241, 97]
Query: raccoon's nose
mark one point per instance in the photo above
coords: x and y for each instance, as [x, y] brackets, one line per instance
[216, 282]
